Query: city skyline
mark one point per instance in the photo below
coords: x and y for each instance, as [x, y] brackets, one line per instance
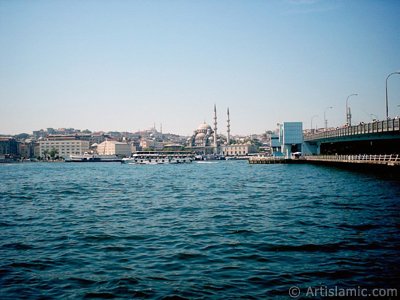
[123, 65]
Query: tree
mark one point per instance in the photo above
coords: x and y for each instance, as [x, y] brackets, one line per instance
[53, 153]
[21, 136]
[45, 154]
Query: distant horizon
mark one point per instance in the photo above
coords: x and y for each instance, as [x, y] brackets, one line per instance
[126, 65]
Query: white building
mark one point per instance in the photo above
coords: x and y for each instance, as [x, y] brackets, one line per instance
[114, 148]
[237, 149]
[64, 145]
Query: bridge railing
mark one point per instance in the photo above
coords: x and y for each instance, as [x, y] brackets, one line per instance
[389, 125]
[359, 157]
[267, 158]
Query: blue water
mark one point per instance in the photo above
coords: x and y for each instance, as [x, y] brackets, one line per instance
[196, 231]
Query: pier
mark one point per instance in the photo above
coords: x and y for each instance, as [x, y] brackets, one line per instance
[382, 165]
[379, 164]
[387, 160]
[274, 160]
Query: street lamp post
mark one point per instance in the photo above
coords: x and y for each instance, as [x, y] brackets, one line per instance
[348, 113]
[387, 104]
[325, 120]
[314, 116]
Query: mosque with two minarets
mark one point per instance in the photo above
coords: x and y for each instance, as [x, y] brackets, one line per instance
[205, 140]
[202, 137]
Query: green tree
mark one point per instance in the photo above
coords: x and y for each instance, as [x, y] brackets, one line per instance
[53, 153]
[46, 154]
[21, 136]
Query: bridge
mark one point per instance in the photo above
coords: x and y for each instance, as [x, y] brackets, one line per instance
[379, 137]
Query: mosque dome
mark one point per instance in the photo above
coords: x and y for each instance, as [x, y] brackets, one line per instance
[200, 136]
[204, 127]
[202, 139]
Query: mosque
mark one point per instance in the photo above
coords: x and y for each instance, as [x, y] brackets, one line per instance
[205, 139]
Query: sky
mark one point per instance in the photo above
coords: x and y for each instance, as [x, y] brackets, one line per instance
[125, 65]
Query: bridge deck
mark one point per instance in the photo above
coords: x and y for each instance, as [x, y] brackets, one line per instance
[391, 125]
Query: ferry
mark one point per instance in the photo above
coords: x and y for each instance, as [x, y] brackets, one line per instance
[92, 158]
[157, 158]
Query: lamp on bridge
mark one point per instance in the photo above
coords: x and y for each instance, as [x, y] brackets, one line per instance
[314, 116]
[387, 105]
[348, 112]
[325, 120]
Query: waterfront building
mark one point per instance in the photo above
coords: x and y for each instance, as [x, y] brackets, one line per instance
[114, 148]
[27, 148]
[291, 137]
[63, 145]
[238, 149]
[36, 149]
[275, 145]
[23, 149]
[9, 145]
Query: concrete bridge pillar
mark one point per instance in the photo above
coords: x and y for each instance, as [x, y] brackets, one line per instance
[311, 148]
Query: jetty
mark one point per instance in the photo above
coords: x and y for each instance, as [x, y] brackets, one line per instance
[382, 159]
[274, 160]
[385, 164]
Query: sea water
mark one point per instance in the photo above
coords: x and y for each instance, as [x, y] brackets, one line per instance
[199, 231]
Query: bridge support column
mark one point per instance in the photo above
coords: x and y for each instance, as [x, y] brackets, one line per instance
[311, 148]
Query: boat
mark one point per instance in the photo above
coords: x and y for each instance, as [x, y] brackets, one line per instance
[158, 158]
[92, 158]
[210, 157]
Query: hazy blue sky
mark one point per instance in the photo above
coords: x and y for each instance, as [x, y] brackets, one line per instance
[124, 65]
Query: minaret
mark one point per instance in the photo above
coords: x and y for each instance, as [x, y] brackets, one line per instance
[215, 130]
[228, 130]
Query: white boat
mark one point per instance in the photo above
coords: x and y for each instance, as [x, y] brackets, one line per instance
[92, 158]
[158, 158]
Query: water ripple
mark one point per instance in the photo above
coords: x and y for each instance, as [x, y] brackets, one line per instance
[196, 231]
